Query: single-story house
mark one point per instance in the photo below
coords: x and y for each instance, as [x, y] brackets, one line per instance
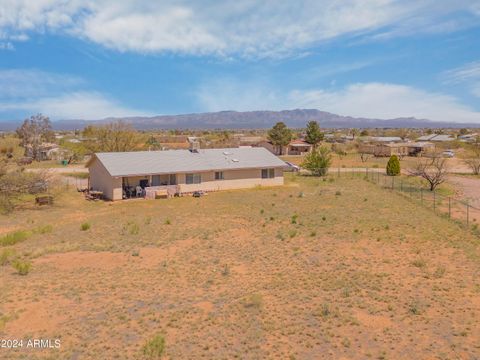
[295, 147]
[436, 137]
[386, 139]
[123, 174]
[399, 149]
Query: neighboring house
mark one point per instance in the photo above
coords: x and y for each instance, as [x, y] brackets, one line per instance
[298, 147]
[436, 137]
[468, 137]
[399, 149]
[45, 151]
[295, 147]
[184, 171]
[386, 139]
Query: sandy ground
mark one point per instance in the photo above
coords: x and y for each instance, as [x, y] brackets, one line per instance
[469, 188]
[231, 275]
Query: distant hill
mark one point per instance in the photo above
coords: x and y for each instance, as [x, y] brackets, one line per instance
[251, 119]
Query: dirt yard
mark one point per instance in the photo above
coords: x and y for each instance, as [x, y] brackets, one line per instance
[335, 269]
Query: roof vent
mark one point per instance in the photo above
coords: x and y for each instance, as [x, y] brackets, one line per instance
[235, 160]
[227, 153]
[194, 146]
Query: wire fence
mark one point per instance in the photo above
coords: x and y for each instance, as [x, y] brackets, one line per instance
[458, 210]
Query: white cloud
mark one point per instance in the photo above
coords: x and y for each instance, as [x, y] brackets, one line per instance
[248, 27]
[470, 71]
[59, 96]
[468, 74]
[372, 100]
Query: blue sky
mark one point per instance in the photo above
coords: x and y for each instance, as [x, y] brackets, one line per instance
[85, 59]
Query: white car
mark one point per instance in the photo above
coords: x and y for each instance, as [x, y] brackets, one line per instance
[292, 167]
[448, 153]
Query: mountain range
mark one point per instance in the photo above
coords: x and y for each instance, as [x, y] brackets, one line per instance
[251, 120]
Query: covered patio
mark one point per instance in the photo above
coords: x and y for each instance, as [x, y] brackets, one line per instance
[149, 186]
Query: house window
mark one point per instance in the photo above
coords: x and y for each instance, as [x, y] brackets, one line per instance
[268, 173]
[219, 175]
[193, 178]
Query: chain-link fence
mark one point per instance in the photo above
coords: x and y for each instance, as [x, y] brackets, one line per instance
[458, 210]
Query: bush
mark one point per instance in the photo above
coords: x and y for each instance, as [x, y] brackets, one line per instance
[5, 256]
[13, 238]
[318, 161]
[44, 229]
[22, 267]
[85, 226]
[253, 301]
[154, 348]
[393, 166]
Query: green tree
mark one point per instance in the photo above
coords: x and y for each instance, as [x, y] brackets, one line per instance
[314, 135]
[280, 135]
[318, 161]
[364, 132]
[393, 166]
[153, 144]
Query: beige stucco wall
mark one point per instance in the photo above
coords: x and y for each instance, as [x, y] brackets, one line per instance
[101, 180]
[233, 179]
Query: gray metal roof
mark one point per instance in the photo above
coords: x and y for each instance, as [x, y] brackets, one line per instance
[183, 161]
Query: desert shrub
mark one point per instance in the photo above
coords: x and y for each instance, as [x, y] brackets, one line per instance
[85, 226]
[5, 256]
[154, 348]
[131, 228]
[420, 263]
[13, 238]
[415, 308]
[22, 267]
[393, 166]
[254, 301]
[167, 222]
[44, 229]
[294, 219]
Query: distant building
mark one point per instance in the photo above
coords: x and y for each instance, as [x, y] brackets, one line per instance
[295, 147]
[436, 137]
[386, 139]
[399, 149]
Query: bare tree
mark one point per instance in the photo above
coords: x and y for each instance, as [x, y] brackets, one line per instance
[33, 132]
[474, 161]
[364, 156]
[433, 170]
[113, 137]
